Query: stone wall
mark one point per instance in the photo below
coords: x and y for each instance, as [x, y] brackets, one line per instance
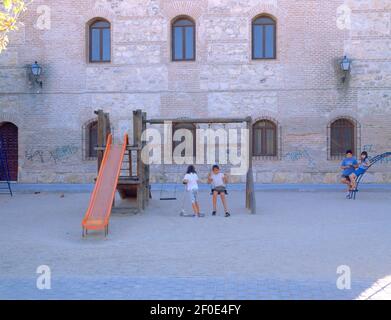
[301, 90]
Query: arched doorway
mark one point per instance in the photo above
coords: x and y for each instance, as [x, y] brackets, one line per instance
[9, 132]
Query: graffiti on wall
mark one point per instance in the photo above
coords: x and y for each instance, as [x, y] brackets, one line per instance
[62, 152]
[301, 154]
[370, 148]
[54, 155]
[35, 155]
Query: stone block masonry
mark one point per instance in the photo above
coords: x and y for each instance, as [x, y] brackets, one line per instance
[300, 91]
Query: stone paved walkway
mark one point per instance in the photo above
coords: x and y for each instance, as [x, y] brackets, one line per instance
[180, 288]
[291, 249]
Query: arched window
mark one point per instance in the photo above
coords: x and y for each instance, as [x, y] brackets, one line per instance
[191, 129]
[100, 41]
[265, 138]
[183, 40]
[264, 38]
[342, 138]
[91, 140]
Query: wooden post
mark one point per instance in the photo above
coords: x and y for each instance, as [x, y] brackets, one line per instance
[108, 124]
[147, 190]
[103, 131]
[130, 163]
[137, 132]
[250, 192]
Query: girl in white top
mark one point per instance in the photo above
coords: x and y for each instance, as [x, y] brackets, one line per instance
[191, 182]
[218, 180]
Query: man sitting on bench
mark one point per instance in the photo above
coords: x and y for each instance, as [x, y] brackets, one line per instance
[348, 166]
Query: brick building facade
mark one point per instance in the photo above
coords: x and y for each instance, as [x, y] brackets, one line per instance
[297, 94]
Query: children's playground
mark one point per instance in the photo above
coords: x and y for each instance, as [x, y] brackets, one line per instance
[125, 238]
[121, 167]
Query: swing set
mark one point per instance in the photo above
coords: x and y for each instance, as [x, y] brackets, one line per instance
[133, 179]
[250, 196]
[166, 186]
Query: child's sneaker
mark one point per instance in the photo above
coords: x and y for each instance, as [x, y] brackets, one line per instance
[213, 213]
[201, 215]
[227, 214]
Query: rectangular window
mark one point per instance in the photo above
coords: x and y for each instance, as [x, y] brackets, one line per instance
[258, 42]
[270, 142]
[178, 44]
[189, 45]
[258, 142]
[95, 45]
[106, 44]
[269, 42]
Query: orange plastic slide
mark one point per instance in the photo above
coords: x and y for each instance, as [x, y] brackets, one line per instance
[99, 210]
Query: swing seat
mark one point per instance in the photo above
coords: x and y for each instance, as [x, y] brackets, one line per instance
[168, 196]
[218, 192]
